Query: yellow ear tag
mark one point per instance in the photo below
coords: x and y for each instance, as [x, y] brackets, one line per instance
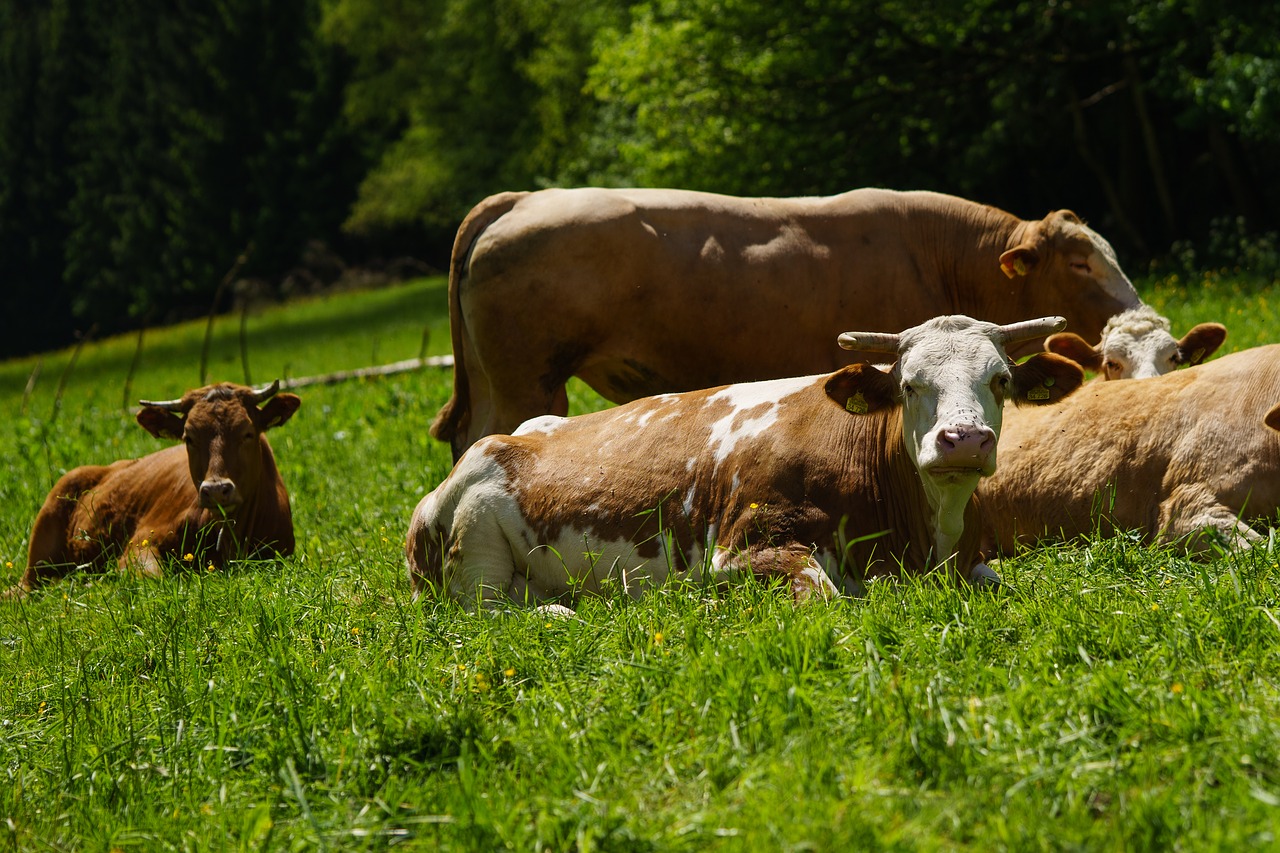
[1038, 393]
[857, 404]
[1019, 267]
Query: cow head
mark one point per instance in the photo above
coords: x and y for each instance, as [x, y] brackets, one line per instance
[951, 378]
[1137, 344]
[222, 427]
[1068, 264]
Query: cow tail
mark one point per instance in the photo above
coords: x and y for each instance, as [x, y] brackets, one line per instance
[449, 419]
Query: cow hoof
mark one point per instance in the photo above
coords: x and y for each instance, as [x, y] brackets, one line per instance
[983, 577]
[557, 610]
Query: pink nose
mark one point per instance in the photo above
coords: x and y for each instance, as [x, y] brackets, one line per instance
[966, 444]
[220, 492]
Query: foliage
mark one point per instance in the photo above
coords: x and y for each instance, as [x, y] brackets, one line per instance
[1153, 118]
[152, 149]
[1114, 697]
[473, 96]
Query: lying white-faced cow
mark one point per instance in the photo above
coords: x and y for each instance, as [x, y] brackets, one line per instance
[216, 497]
[820, 480]
[1171, 457]
[1137, 344]
[717, 289]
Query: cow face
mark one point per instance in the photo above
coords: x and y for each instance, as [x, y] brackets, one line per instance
[1137, 344]
[1063, 256]
[221, 426]
[951, 378]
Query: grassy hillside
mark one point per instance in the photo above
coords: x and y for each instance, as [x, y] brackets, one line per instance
[1114, 697]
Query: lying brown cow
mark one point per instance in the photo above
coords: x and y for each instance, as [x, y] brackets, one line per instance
[1171, 457]
[822, 480]
[646, 291]
[217, 497]
[1137, 344]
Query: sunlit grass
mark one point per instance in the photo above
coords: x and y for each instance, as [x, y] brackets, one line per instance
[1112, 697]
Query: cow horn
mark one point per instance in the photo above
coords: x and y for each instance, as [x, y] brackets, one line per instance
[1015, 333]
[171, 405]
[870, 341]
[266, 392]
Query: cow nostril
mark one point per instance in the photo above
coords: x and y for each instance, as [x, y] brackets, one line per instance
[217, 491]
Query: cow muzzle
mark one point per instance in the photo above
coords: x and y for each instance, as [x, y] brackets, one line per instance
[966, 449]
[219, 493]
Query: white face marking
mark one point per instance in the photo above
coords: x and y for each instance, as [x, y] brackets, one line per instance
[1125, 356]
[1105, 269]
[952, 398]
[759, 398]
[1136, 344]
[953, 378]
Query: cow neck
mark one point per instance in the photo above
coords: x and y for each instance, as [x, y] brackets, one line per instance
[882, 495]
[916, 511]
[966, 249]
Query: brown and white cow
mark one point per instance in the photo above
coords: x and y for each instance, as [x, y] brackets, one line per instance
[1137, 344]
[218, 496]
[1172, 457]
[823, 480]
[646, 291]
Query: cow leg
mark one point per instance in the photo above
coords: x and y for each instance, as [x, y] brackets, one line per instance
[806, 579]
[49, 553]
[1192, 515]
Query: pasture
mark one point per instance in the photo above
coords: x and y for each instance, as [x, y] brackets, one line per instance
[1112, 697]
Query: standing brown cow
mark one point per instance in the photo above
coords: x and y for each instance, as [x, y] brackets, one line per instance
[216, 497]
[644, 291]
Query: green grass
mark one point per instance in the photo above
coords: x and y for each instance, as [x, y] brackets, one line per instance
[1113, 697]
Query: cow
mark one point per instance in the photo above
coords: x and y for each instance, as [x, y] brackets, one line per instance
[1184, 459]
[218, 496]
[647, 291]
[1137, 344]
[820, 481]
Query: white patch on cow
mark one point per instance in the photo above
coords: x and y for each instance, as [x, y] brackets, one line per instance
[543, 425]
[1105, 268]
[1137, 344]
[761, 398]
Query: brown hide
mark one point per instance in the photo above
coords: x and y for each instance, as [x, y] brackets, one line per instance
[815, 464]
[1167, 456]
[640, 292]
[144, 512]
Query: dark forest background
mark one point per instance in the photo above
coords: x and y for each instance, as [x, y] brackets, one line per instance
[151, 152]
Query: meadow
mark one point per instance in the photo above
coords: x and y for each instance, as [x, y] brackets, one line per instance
[1112, 696]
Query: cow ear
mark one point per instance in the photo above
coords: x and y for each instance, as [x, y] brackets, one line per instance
[279, 409]
[162, 423]
[1072, 346]
[1273, 418]
[1045, 378]
[862, 388]
[1200, 343]
[1019, 260]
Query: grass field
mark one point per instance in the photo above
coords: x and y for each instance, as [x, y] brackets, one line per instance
[1113, 697]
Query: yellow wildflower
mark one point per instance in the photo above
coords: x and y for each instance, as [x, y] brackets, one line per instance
[509, 672]
[1176, 687]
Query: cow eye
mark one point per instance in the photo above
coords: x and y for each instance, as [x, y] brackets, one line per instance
[1080, 266]
[908, 389]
